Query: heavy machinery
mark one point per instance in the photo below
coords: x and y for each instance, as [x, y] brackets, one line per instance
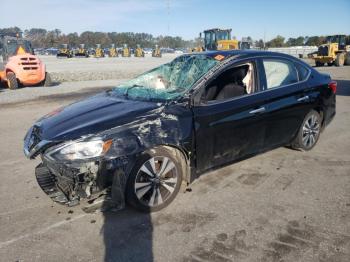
[334, 52]
[126, 51]
[18, 64]
[99, 51]
[112, 52]
[81, 51]
[156, 52]
[139, 52]
[64, 51]
[245, 43]
[219, 39]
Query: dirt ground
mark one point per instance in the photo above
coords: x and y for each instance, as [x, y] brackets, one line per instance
[283, 205]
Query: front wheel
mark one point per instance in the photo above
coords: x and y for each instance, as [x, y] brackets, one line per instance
[339, 61]
[12, 81]
[309, 132]
[154, 180]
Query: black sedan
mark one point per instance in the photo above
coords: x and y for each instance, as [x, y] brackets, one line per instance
[138, 142]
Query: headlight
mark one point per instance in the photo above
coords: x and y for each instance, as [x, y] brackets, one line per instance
[79, 150]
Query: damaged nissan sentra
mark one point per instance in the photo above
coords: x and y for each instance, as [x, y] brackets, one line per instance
[137, 143]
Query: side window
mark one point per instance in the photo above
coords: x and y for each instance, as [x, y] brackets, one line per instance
[279, 73]
[303, 72]
[233, 82]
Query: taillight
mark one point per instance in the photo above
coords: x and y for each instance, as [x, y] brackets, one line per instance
[333, 86]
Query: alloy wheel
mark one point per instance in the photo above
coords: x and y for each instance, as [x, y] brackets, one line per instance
[156, 181]
[311, 130]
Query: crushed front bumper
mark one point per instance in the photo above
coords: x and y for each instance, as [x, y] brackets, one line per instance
[84, 182]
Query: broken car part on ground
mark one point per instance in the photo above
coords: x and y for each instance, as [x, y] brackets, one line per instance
[141, 140]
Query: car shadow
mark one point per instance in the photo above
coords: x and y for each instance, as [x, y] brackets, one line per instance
[127, 236]
[343, 88]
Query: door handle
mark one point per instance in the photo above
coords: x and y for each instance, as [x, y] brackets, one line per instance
[302, 99]
[256, 111]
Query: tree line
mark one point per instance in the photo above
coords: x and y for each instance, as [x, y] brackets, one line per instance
[42, 38]
[280, 41]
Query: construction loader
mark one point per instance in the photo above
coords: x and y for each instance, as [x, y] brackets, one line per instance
[139, 52]
[334, 52]
[81, 51]
[156, 52]
[112, 52]
[19, 66]
[99, 53]
[126, 51]
[217, 39]
[64, 51]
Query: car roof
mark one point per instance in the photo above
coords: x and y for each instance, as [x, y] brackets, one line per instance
[224, 54]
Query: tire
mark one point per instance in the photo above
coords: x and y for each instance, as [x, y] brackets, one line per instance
[149, 188]
[47, 81]
[12, 81]
[347, 59]
[318, 64]
[309, 132]
[339, 61]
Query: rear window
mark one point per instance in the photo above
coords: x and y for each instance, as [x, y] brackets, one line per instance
[279, 73]
[303, 72]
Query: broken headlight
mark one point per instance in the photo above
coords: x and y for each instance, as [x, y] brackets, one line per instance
[79, 150]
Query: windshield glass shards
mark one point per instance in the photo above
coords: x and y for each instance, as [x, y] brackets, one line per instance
[168, 81]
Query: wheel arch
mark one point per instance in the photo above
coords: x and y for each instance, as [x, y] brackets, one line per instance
[181, 152]
[320, 110]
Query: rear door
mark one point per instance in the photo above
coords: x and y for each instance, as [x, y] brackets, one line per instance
[288, 99]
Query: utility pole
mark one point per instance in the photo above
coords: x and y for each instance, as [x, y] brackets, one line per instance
[168, 12]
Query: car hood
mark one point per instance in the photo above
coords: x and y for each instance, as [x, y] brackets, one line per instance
[91, 116]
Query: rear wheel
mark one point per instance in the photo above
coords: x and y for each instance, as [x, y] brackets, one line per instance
[339, 61]
[12, 81]
[319, 64]
[309, 132]
[47, 81]
[347, 59]
[155, 180]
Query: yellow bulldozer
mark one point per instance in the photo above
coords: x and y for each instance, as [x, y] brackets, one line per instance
[156, 52]
[113, 51]
[139, 52]
[217, 39]
[64, 51]
[81, 51]
[99, 51]
[126, 51]
[334, 52]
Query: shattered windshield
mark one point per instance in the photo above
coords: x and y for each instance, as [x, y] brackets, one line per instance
[168, 81]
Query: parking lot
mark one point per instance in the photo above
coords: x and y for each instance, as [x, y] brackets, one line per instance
[283, 205]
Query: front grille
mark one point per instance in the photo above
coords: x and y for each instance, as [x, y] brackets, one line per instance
[29, 63]
[47, 182]
[35, 137]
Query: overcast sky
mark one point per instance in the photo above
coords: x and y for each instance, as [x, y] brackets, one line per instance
[254, 18]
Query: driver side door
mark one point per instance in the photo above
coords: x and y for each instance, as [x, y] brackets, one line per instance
[230, 129]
